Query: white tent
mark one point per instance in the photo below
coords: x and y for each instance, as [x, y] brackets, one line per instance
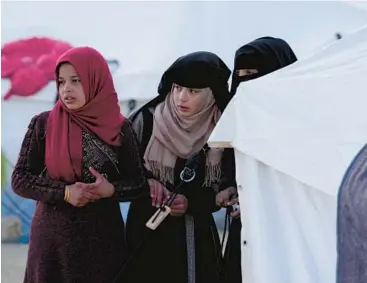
[295, 132]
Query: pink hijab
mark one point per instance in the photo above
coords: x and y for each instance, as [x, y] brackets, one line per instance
[100, 115]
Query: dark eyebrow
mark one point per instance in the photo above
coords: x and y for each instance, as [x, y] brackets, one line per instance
[73, 77]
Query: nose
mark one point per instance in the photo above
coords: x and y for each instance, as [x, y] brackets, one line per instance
[184, 95]
[66, 87]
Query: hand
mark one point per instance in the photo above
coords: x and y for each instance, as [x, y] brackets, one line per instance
[78, 196]
[223, 197]
[236, 212]
[101, 187]
[179, 205]
[158, 192]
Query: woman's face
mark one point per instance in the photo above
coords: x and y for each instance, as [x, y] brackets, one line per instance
[70, 87]
[189, 101]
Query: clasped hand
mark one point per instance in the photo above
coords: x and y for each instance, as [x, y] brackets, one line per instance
[225, 198]
[83, 193]
[160, 194]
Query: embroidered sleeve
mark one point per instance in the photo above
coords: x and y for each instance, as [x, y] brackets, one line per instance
[133, 183]
[26, 178]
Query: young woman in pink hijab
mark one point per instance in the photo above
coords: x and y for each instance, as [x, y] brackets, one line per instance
[176, 125]
[78, 161]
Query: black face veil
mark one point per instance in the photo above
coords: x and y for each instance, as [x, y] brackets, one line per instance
[265, 54]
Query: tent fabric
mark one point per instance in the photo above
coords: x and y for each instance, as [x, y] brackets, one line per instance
[287, 225]
[295, 132]
[306, 120]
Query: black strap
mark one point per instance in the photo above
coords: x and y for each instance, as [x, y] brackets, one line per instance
[187, 175]
[227, 230]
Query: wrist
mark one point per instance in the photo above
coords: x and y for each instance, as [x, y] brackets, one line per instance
[112, 190]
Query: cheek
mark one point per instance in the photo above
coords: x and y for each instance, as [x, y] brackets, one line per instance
[195, 102]
[79, 93]
[176, 98]
[60, 88]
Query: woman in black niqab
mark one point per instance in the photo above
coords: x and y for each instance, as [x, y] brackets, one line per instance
[259, 58]
[253, 60]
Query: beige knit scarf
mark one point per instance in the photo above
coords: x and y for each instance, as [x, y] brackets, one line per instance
[176, 136]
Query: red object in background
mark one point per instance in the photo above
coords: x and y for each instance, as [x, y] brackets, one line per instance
[30, 64]
[26, 82]
[9, 66]
[47, 63]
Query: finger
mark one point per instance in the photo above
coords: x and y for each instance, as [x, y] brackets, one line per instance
[82, 200]
[167, 198]
[166, 192]
[159, 196]
[96, 174]
[91, 186]
[154, 193]
[177, 212]
[232, 201]
[236, 213]
[81, 203]
[174, 211]
[219, 201]
[91, 196]
[83, 197]
[176, 202]
[151, 188]
[180, 200]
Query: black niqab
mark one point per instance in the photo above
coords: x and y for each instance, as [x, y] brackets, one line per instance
[266, 54]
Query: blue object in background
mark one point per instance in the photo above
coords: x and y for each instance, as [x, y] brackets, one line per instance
[14, 205]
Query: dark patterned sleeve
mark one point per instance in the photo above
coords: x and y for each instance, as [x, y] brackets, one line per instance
[133, 183]
[26, 179]
[228, 169]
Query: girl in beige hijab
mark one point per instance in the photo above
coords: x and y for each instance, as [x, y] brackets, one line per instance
[185, 248]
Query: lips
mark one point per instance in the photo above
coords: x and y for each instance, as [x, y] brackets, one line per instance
[69, 99]
[183, 108]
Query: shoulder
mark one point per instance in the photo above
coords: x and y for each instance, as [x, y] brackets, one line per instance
[141, 115]
[126, 127]
[141, 121]
[128, 135]
[39, 121]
